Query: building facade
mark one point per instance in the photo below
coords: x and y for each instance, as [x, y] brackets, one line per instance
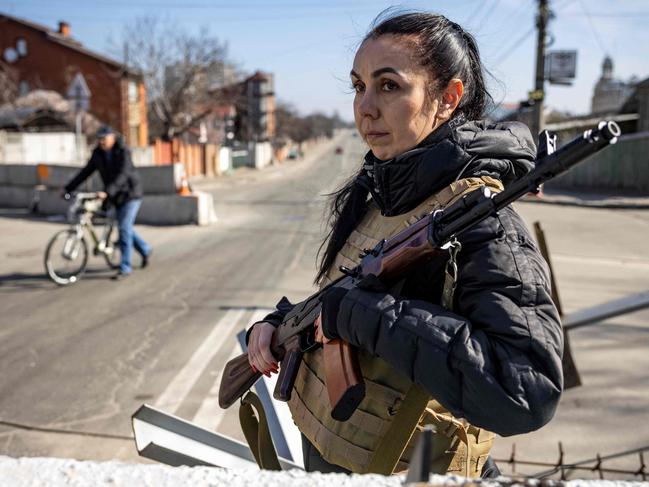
[256, 112]
[42, 58]
[609, 94]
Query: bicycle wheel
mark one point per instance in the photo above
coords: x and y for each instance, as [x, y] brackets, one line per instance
[111, 251]
[66, 257]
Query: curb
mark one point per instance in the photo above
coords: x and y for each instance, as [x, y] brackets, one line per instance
[641, 203]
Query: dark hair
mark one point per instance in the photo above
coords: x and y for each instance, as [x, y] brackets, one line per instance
[448, 52]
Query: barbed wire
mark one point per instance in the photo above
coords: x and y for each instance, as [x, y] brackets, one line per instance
[42, 429]
[563, 468]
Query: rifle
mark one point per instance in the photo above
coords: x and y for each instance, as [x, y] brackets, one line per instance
[389, 260]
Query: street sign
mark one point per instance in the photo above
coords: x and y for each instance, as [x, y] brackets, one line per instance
[536, 95]
[561, 66]
[79, 93]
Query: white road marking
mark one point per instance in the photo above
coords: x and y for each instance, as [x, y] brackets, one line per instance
[210, 415]
[177, 390]
[634, 263]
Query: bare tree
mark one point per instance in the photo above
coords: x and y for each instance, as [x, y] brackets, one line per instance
[180, 71]
[297, 128]
[8, 84]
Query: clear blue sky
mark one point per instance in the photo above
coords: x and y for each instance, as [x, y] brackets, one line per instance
[309, 45]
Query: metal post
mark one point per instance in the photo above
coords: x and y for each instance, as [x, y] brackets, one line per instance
[77, 134]
[539, 93]
[571, 375]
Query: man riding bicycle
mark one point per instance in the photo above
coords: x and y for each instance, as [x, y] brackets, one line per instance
[122, 189]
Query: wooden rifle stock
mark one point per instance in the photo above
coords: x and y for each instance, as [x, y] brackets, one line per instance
[343, 378]
[238, 377]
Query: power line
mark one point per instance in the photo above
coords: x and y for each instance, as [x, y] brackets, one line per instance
[592, 26]
[607, 16]
[514, 46]
[202, 6]
[224, 18]
[475, 12]
[489, 13]
[507, 21]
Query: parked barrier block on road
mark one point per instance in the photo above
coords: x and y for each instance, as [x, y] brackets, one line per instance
[16, 196]
[23, 175]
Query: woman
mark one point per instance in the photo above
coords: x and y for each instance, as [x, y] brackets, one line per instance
[484, 360]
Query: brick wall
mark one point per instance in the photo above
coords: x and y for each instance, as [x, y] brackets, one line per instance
[51, 65]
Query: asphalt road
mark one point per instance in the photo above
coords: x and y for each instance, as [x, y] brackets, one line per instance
[83, 358]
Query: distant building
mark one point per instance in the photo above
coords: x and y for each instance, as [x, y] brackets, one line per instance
[501, 111]
[609, 94]
[256, 111]
[244, 111]
[638, 103]
[47, 59]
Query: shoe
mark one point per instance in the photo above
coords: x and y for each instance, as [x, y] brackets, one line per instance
[145, 259]
[120, 276]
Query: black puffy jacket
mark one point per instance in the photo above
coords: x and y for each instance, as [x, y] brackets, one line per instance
[496, 359]
[120, 178]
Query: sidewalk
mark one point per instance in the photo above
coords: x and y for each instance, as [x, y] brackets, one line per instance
[590, 200]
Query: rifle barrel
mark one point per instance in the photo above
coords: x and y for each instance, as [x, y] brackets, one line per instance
[575, 151]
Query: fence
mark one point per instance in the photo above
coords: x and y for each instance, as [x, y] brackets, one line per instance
[62, 148]
[198, 159]
[39, 148]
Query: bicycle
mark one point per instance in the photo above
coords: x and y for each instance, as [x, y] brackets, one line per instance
[70, 246]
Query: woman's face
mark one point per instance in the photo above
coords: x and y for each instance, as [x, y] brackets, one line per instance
[391, 107]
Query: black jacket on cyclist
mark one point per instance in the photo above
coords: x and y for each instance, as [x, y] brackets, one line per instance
[121, 180]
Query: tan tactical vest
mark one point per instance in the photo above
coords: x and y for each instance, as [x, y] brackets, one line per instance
[458, 447]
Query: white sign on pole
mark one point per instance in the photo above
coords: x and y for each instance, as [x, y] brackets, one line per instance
[561, 65]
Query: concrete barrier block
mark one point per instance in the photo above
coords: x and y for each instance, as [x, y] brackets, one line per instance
[18, 175]
[16, 196]
[49, 202]
[162, 179]
[173, 209]
[155, 179]
[162, 209]
[55, 176]
[206, 212]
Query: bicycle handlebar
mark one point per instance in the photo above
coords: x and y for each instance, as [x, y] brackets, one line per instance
[82, 196]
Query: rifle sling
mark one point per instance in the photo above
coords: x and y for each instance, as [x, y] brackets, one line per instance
[394, 442]
[257, 432]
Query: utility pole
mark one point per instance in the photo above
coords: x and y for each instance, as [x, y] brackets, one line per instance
[539, 92]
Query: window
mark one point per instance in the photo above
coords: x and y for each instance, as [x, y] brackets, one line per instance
[10, 55]
[132, 91]
[133, 133]
[21, 47]
[23, 88]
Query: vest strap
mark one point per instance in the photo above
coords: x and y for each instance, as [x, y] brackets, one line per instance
[394, 442]
[257, 432]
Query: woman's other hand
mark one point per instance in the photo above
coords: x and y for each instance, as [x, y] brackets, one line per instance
[259, 354]
[319, 335]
